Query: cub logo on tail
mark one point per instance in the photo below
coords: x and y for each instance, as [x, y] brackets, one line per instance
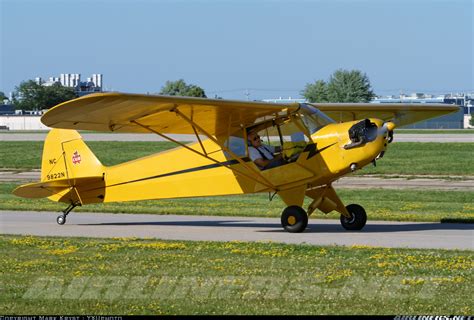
[76, 158]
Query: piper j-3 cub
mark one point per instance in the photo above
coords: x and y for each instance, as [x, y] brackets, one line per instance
[320, 143]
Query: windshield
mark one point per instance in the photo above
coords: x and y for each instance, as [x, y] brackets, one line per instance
[312, 118]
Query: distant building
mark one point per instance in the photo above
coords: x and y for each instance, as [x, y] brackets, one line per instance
[465, 100]
[450, 121]
[7, 109]
[73, 80]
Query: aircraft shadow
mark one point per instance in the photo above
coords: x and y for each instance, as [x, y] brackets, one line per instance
[335, 228]
[312, 227]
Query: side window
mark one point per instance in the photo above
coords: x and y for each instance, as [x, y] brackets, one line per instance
[298, 137]
[236, 145]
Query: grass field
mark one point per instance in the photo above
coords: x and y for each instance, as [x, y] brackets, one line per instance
[52, 275]
[129, 276]
[380, 204]
[405, 158]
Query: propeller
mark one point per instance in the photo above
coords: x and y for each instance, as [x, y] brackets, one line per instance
[387, 128]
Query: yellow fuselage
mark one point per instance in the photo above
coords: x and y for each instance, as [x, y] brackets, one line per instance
[178, 172]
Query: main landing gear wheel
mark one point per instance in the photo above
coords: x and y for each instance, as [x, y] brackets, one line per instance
[294, 219]
[357, 220]
[61, 219]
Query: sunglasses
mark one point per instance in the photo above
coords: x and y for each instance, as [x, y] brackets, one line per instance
[256, 138]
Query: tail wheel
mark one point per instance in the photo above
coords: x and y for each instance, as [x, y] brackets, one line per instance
[294, 219]
[357, 220]
[61, 219]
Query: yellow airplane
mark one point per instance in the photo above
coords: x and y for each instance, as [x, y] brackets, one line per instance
[319, 143]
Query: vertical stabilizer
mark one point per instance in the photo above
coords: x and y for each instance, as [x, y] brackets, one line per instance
[66, 156]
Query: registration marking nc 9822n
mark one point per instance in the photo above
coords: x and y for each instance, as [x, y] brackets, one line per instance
[54, 176]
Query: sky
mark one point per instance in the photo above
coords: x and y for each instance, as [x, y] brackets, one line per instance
[241, 49]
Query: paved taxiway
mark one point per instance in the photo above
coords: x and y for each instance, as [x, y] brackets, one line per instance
[211, 228]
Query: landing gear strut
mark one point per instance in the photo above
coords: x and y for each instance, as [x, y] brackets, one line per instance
[61, 219]
[294, 219]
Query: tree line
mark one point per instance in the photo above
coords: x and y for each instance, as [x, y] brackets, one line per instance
[342, 86]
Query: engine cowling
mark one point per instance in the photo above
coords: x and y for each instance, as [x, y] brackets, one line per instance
[361, 133]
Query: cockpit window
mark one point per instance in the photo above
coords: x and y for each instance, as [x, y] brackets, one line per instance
[278, 129]
[312, 118]
[236, 145]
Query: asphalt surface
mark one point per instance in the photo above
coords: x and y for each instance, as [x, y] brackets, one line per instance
[186, 137]
[211, 228]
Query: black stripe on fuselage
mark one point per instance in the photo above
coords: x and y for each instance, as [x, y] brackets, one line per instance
[209, 166]
[311, 148]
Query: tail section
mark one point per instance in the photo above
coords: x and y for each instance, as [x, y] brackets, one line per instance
[66, 156]
[70, 172]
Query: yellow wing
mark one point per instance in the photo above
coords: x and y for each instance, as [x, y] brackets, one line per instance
[400, 113]
[118, 112]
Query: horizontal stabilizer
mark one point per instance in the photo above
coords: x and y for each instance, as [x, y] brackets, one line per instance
[51, 188]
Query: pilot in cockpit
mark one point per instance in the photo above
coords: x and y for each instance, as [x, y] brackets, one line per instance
[264, 156]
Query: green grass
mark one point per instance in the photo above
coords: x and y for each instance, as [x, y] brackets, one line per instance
[42, 275]
[412, 158]
[408, 158]
[380, 204]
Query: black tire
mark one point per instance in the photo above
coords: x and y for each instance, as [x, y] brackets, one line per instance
[61, 219]
[294, 219]
[358, 220]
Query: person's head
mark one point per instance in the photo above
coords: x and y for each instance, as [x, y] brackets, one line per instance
[254, 139]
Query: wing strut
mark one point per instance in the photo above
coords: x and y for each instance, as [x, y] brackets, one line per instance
[265, 182]
[200, 142]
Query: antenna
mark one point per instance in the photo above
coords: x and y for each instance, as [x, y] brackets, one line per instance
[247, 94]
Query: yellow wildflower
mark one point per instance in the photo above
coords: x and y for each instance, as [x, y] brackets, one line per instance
[58, 252]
